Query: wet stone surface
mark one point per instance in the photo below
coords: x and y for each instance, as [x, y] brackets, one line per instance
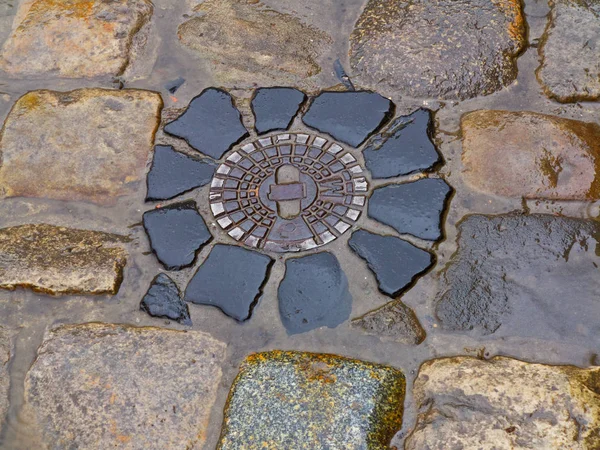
[350, 117]
[504, 403]
[85, 145]
[312, 401]
[394, 321]
[275, 108]
[395, 263]
[211, 123]
[231, 278]
[174, 173]
[288, 192]
[73, 39]
[5, 354]
[414, 46]
[414, 208]
[106, 386]
[531, 155]
[515, 271]
[405, 147]
[245, 41]
[177, 233]
[59, 260]
[314, 293]
[163, 299]
[569, 51]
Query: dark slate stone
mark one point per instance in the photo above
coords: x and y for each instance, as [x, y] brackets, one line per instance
[275, 108]
[163, 299]
[404, 148]
[173, 173]
[350, 117]
[176, 232]
[412, 208]
[211, 124]
[395, 263]
[231, 279]
[313, 293]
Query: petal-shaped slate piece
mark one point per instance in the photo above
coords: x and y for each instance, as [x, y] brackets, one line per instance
[275, 108]
[173, 173]
[395, 262]
[231, 279]
[412, 208]
[350, 117]
[163, 299]
[211, 124]
[313, 293]
[176, 232]
[405, 147]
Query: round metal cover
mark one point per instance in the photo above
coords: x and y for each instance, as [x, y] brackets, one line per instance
[288, 192]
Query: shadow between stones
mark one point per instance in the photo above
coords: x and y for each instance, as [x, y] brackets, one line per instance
[211, 124]
[232, 279]
[275, 108]
[177, 233]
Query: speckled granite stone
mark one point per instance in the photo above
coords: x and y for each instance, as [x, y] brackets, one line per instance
[5, 353]
[295, 400]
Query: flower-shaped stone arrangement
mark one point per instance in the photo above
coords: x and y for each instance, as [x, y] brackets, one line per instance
[292, 185]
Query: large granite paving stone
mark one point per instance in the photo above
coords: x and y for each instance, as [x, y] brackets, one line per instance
[211, 123]
[314, 293]
[570, 51]
[163, 299]
[74, 38]
[59, 260]
[415, 208]
[275, 108]
[174, 173]
[452, 49]
[5, 354]
[88, 144]
[405, 147]
[293, 400]
[531, 155]
[395, 262]
[244, 43]
[532, 275]
[350, 117]
[177, 233]
[231, 278]
[505, 404]
[100, 386]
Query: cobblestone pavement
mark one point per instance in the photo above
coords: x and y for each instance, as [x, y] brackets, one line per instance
[243, 224]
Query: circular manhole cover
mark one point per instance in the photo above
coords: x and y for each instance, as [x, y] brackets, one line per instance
[288, 192]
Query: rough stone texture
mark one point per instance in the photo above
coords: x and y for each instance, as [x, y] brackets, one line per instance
[163, 299]
[59, 260]
[285, 400]
[452, 49]
[350, 117]
[99, 386]
[394, 320]
[405, 147]
[570, 51]
[395, 262]
[275, 108]
[414, 208]
[5, 354]
[87, 144]
[505, 404]
[231, 278]
[531, 155]
[242, 39]
[173, 173]
[523, 264]
[177, 233]
[314, 293]
[211, 123]
[73, 38]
